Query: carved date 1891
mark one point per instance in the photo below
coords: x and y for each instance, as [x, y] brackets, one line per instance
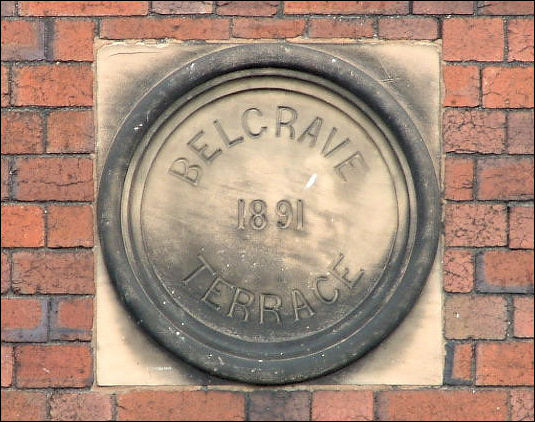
[287, 217]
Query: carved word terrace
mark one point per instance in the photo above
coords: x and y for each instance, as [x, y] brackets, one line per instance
[253, 125]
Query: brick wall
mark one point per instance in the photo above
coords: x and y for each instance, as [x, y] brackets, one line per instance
[48, 205]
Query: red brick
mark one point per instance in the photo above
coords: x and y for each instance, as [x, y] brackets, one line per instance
[71, 319]
[520, 132]
[478, 39]
[462, 86]
[442, 405]
[8, 8]
[81, 407]
[267, 28]
[458, 178]
[521, 227]
[342, 406]
[247, 8]
[505, 178]
[24, 319]
[22, 226]
[22, 132]
[54, 178]
[23, 406]
[347, 7]
[53, 366]
[522, 404]
[510, 87]
[340, 27]
[73, 40]
[469, 131]
[7, 365]
[276, 405]
[520, 40]
[53, 85]
[70, 131]
[408, 28]
[179, 28]
[52, 272]
[5, 86]
[182, 7]
[506, 8]
[6, 178]
[475, 225]
[22, 40]
[185, 405]
[82, 8]
[6, 272]
[523, 316]
[499, 363]
[70, 226]
[469, 316]
[461, 369]
[505, 271]
[458, 270]
[443, 7]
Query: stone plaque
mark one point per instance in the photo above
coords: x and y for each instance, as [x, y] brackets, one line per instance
[269, 213]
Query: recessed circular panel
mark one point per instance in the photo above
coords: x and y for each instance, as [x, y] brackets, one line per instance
[268, 213]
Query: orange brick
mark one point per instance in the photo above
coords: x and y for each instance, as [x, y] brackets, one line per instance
[461, 369]
[458, 178]
[510, 87]
[276, 405]
[267, 28]
[70, 131]
[180, 28]
[478, 39]
[520, 40]
[458, 270]
[6, 272]
[521, 227]
[499, 363]
[520, 132]
[23, 405]
[475, 225]
[505, 178]
[347, 7]
[341, 27]
[8, 9]
[505, 271]
[523, 316]
[53, 272]
[186, 405]
[22, 40]
[71, 319]
[462, 86]
[24, 320]
[22, 132]
[5, 86]
[342, 406]
[469, 131]
[82, 8]
[182, 7]
[54, 178]
[73, 40]
[469, 316]
[442, 405]
[53, 366]
[443, 7]
[53, 85]
[506, 8]
[81, 407]
[70, 226]
[7, 365]
[413, 28]
[522, 404]
[6, 178]
[22, 226]
[247, 8]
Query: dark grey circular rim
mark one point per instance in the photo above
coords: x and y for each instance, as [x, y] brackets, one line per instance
[306, 60]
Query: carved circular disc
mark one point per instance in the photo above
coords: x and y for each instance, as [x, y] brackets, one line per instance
[268, 213]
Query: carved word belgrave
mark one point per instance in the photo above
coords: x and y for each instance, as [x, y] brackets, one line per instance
[254, 127]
